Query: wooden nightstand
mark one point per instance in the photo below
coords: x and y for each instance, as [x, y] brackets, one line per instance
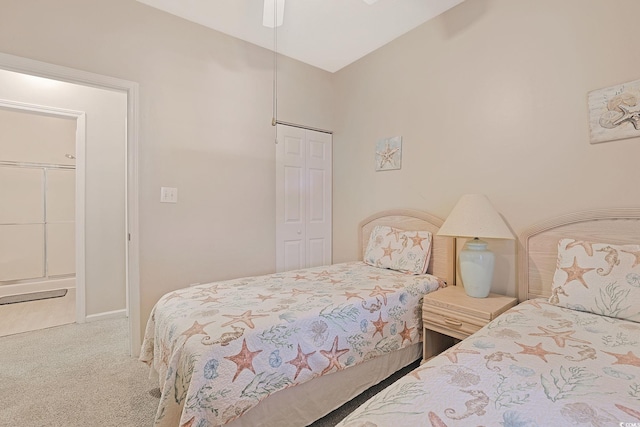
[450, 314]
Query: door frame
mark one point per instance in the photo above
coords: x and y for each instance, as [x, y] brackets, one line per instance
[132, 256]
[80, 171]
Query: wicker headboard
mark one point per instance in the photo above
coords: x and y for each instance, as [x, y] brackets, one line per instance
[443, 252]
[538, 245]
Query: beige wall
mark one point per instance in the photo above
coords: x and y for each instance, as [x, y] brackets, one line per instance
[490, 98]
[205, 113]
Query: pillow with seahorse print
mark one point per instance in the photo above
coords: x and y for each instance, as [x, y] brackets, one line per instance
[400, 250]
[600, 278]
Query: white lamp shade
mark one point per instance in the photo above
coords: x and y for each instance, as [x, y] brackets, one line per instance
[475, 216]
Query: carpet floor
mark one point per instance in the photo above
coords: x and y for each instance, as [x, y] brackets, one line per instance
[82, 375]
[74, 375]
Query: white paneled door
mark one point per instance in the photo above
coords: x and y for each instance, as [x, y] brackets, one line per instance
[303, 198]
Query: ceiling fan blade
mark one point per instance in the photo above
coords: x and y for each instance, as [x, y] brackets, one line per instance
[273, 9]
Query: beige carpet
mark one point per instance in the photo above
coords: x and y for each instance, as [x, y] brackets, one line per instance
[74, 375]
[81, 375]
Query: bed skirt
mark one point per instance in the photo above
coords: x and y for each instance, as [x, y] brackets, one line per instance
[316, 398]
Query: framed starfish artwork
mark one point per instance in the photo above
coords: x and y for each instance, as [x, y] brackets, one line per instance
[614, 112]
[389, 153]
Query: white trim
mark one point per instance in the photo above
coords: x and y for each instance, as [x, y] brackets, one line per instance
[51, 71]
[115, 314]
[133, 236]
[80, 170]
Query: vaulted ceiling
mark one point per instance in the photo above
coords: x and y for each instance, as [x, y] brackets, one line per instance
[328, 34]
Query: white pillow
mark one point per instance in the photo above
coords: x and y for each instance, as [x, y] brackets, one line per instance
[400, 250]
[598, 277]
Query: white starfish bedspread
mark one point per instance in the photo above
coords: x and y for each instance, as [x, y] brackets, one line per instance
[536, 365]
[220, 348]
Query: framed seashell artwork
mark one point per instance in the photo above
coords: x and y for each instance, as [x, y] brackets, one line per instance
[614, 112]
[389, 153]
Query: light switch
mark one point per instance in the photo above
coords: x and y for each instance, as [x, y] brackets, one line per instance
[168, 195]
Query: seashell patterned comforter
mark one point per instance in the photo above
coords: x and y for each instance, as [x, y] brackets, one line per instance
[221, 348]
[536, 365]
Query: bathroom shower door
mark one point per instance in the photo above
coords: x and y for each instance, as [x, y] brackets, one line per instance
[37, 220]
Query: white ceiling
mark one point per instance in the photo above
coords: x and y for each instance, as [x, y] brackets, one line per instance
[328, 34]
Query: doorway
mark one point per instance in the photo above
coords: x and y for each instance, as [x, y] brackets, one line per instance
[98, 305]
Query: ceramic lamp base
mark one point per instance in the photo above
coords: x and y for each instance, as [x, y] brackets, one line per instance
[476, 268]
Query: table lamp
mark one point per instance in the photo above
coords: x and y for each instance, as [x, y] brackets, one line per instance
[475, 217]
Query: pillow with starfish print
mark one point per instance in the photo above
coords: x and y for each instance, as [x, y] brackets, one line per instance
[600, 278]
[400, 250]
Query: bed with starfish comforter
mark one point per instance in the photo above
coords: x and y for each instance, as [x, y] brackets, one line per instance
[221, 348]
[569, 354]
[536, 365]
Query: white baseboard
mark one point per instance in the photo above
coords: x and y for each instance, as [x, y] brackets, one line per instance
[116, 314]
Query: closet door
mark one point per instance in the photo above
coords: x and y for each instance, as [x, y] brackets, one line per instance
[303, 198]
[318, 188]
[290, 199]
